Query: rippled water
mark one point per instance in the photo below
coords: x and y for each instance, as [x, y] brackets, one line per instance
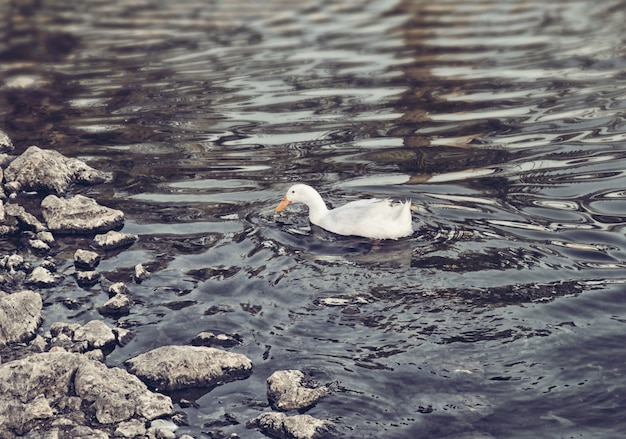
[503, 316]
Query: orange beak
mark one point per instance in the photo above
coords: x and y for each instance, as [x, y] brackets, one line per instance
[284, 203]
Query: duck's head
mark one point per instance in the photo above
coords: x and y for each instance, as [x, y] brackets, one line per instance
[298, 193]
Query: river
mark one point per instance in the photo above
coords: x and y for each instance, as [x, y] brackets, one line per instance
[503, 316]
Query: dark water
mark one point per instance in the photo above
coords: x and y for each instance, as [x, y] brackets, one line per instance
[503, 316]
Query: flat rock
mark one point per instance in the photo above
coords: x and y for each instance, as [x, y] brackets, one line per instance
[113, 239]
[20, 316]
[293, 390]
[39, 169]
[179, 367]
[96, 333]
[281, 426]
[79, 214]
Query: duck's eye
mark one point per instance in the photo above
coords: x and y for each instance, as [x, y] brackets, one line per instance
[293, 192]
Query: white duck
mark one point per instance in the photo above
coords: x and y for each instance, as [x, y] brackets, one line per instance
[372, 218]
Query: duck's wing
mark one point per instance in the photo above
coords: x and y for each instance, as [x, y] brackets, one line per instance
[372, 218]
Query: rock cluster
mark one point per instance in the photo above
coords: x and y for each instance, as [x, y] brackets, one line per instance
[53, 388]
[293, 390]
[55, 384]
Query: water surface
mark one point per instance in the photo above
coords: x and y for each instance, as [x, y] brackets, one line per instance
[502, 316]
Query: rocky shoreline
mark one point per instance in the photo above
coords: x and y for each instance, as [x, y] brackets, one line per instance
[55, 384]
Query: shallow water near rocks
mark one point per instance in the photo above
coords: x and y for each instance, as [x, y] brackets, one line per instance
[502, 316]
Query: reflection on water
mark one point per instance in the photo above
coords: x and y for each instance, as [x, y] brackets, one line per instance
[502, 121]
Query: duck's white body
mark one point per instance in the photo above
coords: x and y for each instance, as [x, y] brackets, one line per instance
[373, 218]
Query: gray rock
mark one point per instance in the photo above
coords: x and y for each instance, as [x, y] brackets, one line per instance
[293, 390]
[113, 239]
[12, 263]
[86, 259]
[79, 214]
[46, 237]
[131, 429]
[282, 426]
[58, 328]
[118, 288]
[48, 392]
[26, 219]
[5, 142]
[83, 432]
[39, 169]
[141, 273]
[49, 264]
[123, 336]
[42, 277]
[163, 429]
[117, 305]
[8, 229]
[87, 278]
[117, 395]
[96, 333]
[179, 367]
[20, 316]
[38, 245]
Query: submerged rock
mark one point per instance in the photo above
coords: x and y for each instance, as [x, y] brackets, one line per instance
[40, 169]
[281, 426]
[293, 390]
[79, 214]
[180, 367]
[20, 316]
[212, 339]
[113, 239]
